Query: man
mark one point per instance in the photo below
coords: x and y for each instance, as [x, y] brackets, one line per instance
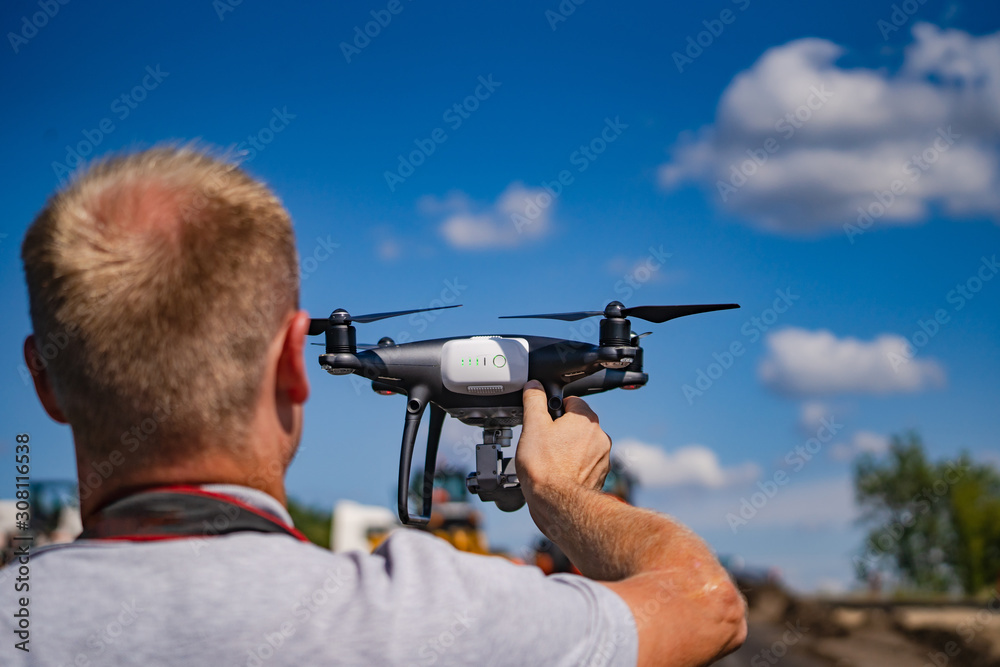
[171, 279]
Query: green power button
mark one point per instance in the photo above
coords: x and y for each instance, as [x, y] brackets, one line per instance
[499, 361]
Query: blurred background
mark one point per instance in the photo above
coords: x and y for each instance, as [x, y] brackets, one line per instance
[832, 167]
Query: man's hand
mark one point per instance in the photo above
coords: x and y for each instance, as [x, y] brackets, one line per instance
[563, 457]
[686, 609]
[561, 465]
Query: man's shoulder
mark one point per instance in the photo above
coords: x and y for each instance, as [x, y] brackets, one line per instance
[189, 553]
[415, 599]
[434, 552]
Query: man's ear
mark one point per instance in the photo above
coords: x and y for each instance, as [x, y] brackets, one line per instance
[38, 368]
[291, 376]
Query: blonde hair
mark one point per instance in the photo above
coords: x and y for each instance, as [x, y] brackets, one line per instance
[164, 275]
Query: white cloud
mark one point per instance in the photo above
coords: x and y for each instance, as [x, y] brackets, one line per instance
[519, 215]
[812, 414]
[388, 249]
[805, 504]
[634, 272]
[837, 135]
[811, 363]
[812, 504]
[831, 586]
[862, 442]
[694, 465]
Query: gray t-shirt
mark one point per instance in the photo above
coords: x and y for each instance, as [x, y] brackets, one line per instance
[254, 599]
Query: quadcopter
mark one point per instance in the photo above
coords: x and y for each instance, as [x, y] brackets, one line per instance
[479, 380]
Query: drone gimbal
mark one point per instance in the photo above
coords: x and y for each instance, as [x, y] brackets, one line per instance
[478, 380]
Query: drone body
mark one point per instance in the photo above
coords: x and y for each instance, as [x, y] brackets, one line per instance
[479, 379]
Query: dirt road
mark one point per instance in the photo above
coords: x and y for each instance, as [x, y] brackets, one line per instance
[769, 644]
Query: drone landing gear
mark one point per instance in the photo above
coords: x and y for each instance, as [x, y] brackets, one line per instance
[495, 478]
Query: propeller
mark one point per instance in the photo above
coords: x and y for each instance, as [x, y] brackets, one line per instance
[360, 346]
[384, 341]
[318, 326]
[341, 316]
[654, 314]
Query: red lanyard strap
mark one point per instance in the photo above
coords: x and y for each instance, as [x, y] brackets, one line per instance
[178, 512]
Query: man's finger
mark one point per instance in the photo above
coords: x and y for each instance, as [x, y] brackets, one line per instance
[579, 406]
[535, 402]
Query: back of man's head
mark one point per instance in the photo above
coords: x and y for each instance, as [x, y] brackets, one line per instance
[159, 279]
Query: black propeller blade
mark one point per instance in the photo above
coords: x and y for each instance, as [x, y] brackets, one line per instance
[374, 317]
[655, 314]
[360, 346]
[320, 325]
[660, 314]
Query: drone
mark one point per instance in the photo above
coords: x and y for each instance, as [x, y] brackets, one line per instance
[479, 380]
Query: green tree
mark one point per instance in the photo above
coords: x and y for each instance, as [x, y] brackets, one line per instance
[314, 523]
[974, 506]
[935, 526]
[909, 526]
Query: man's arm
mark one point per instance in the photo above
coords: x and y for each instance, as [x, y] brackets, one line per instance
[686, 608]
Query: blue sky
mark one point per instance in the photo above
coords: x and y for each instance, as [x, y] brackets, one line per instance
[802, 115]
